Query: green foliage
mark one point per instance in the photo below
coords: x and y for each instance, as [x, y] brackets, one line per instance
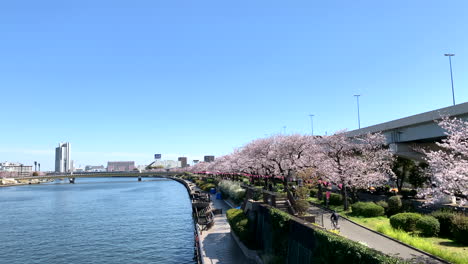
[303, 193]
[35, 173]
[207, 186]
[232, 190]
[280, 230]
[313, 192]
[240, 225]
[384, 204]
[428, 225]
[301, 206]
[445, 219]
[335, 249]
[460, 228]
[394, 205]
[405, 221]
[367, 209]
[335, 199]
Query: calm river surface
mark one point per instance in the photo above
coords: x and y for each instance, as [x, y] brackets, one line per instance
[96, 220]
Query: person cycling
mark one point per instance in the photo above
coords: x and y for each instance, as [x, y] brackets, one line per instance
[334, 219]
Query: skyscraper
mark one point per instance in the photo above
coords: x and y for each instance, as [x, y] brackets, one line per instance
[209, 158]
[183, 161]
[62, 158]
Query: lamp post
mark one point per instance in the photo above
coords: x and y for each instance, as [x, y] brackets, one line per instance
[284, 130]
[358, 117]
[451, 75]
[312, 123]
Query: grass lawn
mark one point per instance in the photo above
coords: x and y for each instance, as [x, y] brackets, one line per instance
[441, 247]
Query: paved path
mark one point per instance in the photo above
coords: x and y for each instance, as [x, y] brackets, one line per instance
[218, 246]
[355, 232]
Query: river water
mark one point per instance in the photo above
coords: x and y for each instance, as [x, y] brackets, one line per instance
[96, 220]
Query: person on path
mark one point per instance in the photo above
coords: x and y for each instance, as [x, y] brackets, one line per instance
[334, 219]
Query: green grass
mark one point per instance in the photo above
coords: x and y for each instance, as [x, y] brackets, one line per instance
[441, 247]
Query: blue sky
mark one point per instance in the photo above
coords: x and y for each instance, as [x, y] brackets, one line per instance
[122, 80]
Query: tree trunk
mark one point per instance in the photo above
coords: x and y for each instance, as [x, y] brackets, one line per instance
[345, 198]
[320, 192]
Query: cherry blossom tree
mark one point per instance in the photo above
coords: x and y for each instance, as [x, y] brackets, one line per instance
[357, 162]
[448, 167]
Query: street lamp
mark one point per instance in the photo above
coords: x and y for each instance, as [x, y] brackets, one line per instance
[358, 117]
[284, 130]
[451, 76]
[312, 123]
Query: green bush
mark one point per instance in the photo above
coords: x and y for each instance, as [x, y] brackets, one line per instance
[331, 248]
[405, 221]
[301, 206]
[239, 224]
[460, 229]
[445, 219]
[207, 186]
[428, 225]
[313, 192]
[335, 199]
[405, 192]
[394, 205]
[384, 204]
[367, 209]
[232, 190]
[280, 230]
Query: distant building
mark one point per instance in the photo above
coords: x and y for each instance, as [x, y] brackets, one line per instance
[62, 158]
[15, 169]
[90, 168]
[164, 164]
[195, 161]
[120, 165]
[183, 161]
[209, 158]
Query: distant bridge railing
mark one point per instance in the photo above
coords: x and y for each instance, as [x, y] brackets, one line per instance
[100, 174]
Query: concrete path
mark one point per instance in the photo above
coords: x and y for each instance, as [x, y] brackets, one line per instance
[381, 243]
[218, 246]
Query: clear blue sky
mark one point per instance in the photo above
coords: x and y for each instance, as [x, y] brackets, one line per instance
[122, 80]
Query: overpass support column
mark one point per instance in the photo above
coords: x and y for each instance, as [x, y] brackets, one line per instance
[72, 180]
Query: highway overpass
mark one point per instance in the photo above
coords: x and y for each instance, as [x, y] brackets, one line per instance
[405, 134]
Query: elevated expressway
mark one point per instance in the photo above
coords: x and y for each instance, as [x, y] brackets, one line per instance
[418, 131]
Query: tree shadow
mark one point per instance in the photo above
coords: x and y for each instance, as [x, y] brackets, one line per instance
[451, 244]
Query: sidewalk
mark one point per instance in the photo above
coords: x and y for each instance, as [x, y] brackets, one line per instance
[217, 244]
[381, 243]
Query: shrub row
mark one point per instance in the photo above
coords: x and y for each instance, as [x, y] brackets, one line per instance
[367, 209]
[231, 189]
[412, 222]
[240, 225]
[332, 248]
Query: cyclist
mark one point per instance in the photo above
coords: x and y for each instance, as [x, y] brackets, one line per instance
[334, 219]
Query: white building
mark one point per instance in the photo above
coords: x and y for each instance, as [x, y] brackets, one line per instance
[62, 158]
[14, 169]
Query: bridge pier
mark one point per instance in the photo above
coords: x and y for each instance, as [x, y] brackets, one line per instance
[72, 180]
[139, 178]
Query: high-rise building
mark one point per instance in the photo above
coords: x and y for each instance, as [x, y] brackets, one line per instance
[209, 158]
[183, 161]
[62, 158]
[120, 165]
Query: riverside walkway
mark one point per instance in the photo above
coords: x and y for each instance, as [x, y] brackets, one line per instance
[374, 240]
[217, 244]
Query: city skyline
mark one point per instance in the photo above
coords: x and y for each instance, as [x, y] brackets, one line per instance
[200, 79]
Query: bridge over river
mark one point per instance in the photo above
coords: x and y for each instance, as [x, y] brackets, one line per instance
[72, 176]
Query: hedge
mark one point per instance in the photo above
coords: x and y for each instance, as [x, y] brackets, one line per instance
[332, 248]
[405, 221]
[460, 229]
[445, 219]
[239, 224]
[280, 230]
[428, 225]
[335, 199]
[394, 205]
[367, 209]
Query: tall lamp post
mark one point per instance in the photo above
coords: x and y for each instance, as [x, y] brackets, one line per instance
[358, 117]
[312, 123]
[451, 75]
[284, 130]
